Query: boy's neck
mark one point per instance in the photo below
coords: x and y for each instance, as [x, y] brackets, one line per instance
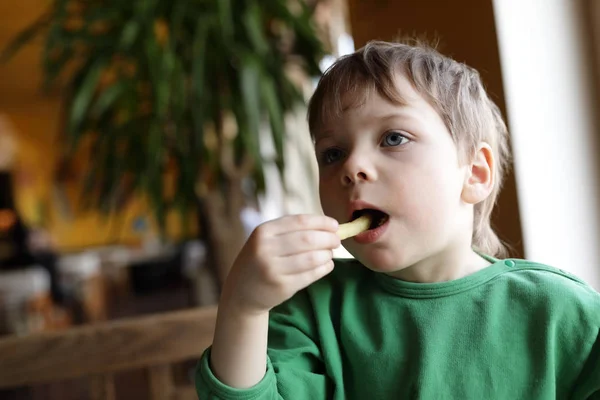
[444, 266]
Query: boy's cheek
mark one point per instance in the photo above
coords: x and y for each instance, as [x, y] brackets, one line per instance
[329, 205]
[327, 177]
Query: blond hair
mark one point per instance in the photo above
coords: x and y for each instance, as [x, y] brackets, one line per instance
[454, 89]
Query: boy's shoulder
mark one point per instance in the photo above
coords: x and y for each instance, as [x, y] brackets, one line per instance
[546, 273]
[552, 284]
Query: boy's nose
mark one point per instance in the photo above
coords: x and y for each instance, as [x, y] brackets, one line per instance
[355, 172]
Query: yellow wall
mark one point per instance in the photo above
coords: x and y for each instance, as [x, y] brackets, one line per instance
[36, 117]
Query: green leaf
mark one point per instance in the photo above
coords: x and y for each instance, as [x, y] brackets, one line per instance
[53, 68]
[84, 96]
[255, 29]
[276, 117]
[177, 18]
[200, 49]
[153, 58]
[107, 99]
[225, 19]
[161, 64]
[55, 40]
[24, 37]
[146, 10]
[163, 84]
[107, 183]
[129, 35]
[259, 178]
[178, 92]
[155, 148]
[154, 182]
[250, 90]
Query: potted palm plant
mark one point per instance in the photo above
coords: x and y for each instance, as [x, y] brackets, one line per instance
[176, 91]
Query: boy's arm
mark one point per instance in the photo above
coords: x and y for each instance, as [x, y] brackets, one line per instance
[240, 347]
[294, 367]
[588, 385]
[280, 258]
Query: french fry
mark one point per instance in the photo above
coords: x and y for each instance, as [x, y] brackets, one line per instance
[355, 227]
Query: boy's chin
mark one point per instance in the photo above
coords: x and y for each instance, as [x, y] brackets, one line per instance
[385, 269]
[381, 263]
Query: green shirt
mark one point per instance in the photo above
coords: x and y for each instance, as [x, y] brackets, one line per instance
[514, 330]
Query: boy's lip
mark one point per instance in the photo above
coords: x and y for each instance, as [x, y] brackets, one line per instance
[372, 235]
[356, 205]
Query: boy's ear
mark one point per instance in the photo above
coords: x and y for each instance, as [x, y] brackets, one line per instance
[479, 181]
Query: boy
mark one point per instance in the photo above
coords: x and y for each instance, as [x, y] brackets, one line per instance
[410, 139]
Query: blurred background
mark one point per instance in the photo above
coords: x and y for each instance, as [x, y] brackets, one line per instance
[141, 142]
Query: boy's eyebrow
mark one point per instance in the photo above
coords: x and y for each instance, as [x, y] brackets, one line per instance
[322, 137]
[402, 113]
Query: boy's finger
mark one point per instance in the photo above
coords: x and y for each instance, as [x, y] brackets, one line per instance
[304, 222]
[306, 241]
[309, 277]
[303, 262]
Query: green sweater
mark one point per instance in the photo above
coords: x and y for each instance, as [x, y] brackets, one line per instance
[515, 330]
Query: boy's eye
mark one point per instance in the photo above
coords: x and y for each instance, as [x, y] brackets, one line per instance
[331, 155]
[393, 139]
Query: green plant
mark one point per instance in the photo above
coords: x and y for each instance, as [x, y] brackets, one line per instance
[175, 91]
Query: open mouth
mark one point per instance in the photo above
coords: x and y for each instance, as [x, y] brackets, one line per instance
[378, 218]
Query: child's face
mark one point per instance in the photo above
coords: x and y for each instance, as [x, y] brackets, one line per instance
[399, 159]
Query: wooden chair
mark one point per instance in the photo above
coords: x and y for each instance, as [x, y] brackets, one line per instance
[99, 351]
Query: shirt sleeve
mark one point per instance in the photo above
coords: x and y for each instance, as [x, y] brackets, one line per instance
[295, 368]
[588, 385]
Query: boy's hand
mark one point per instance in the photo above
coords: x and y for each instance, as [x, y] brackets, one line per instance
[280, 258]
